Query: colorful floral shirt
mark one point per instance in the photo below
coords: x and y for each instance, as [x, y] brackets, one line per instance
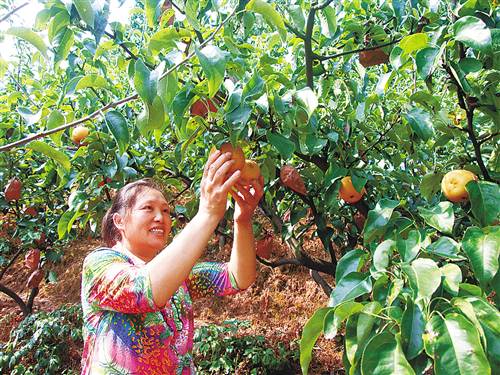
[125, 332]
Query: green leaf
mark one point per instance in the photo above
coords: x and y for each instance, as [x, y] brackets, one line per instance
[457, 349]
[470, 65]
[421, 123]
[352, 285]
[297, 16]
[191, 9]
[414, 42]
[91, 80]
[452, 278]
[62, 225]
[383, 355]
[145, 84]
[49, 151]
[377, 219]
[398, 58]
[152, 8]
[312, 329]
[335, 318]
[482, 249]
[399, 9]
[445, 247]
[55, 120]
[307, 99]
[117, 125]
[473, 32]
[152, 118]
[412, 329]
[489, 318]
[409, 248]
[253, 88]
[425, 61]
[270, 15]
[29, 36]
[328, 20]
[351, 261]
[382, 254]
[430, 185]
[469, 290]
[58, 23]
[366, 321]
[484, 197]
[424, 276]
[213, 62]
[85, 11]
[284, 146]
[467, 309]
[167, 89]
[352, 346]
[29, 117]
[167, 38]
[63, 42]
[440, 217]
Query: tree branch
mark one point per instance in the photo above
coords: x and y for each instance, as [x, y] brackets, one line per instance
[111, 105]
[13, 11]
[272, 215]
[323, 58]
[324, 5]
[308, 48]
[476, 145]
[31, 299]
[18, 252]
[321, 282]
[176, 7]
[320, 162]
[16, 298]
[374, 144]
[295, 31]
[486, 138]
[319, 267]
[470, 124]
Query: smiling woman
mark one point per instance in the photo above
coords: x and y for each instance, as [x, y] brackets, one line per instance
[137, 294]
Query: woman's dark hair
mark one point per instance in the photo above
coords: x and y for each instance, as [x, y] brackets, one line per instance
[125, 198]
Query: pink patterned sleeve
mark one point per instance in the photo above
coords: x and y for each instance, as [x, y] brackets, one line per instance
[110, 282]
[211, 278]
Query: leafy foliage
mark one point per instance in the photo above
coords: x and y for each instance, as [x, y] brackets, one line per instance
[221, 350]
[43, 343]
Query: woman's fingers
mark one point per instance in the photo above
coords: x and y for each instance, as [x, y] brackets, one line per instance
[244, 191]
[231, 181]
[222, 162]
[211, 158]
[239, 200]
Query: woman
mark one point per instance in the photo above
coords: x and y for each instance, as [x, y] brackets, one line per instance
[137, 298]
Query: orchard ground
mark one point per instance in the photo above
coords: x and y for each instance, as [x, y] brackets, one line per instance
[278, 304]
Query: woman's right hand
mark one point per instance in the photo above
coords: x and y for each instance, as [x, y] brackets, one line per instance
[215, 185]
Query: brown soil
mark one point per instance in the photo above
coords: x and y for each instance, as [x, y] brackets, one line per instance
[278, 304]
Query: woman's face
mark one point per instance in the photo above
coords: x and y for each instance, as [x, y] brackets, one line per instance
[145, 226]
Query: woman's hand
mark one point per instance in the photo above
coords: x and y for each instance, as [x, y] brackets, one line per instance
[214, 184]
[247, 198]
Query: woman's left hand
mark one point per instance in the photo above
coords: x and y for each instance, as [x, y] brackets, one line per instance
[247, 198]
